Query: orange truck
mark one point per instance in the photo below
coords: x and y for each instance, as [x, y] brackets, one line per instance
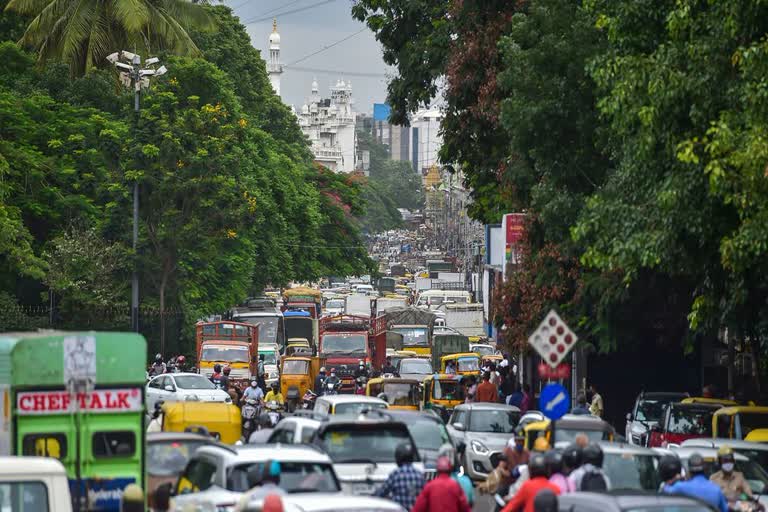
[228, 343]
[347, 339]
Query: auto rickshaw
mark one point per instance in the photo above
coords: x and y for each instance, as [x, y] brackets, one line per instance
[491, 358]
[465, 363]
[295, 379]
[400, 393]
[221, 420]
[706, 400]
[297, 344]
[737, 422]
[566, 429]
[442, 393]
[759, 435]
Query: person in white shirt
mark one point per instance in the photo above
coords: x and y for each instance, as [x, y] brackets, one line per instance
[254, 392]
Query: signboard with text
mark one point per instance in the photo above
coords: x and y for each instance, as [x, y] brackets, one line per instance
[30, 403]
[513, 227]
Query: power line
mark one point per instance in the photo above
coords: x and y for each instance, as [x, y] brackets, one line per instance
[285, 13]
[321, 71]
[328, 47]
[277, 8]
[233, 7]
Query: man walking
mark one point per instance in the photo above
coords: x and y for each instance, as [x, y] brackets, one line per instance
[487, 391]
[596, 408]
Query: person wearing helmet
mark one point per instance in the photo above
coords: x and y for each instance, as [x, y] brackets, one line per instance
[216, 377]
[274, 394]
[590, 476]
[225, 378]
[555, 470]
[442, 494]
[670, 470]
[538, 480]
[404, 483]
[264, 481]
[319, 380]
[698, 486]
[455, 455]
[571, 458]
[545, 501]
[181, 363]
[731, 482]
[361, 371]
[254, 392]
[158, 367]
[331, 379]
[388, 367]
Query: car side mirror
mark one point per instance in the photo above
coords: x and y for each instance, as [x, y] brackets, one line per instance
[170, 388]
[629, 416]
[458, 426]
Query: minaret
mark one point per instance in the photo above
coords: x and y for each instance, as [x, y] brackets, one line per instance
[274, 68]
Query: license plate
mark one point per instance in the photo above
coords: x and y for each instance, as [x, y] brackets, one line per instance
[362, 489]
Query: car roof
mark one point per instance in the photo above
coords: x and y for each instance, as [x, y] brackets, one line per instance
[354, 399]
[302, 420]
[361, 420]
[263, 452]
[624, 499]
[736, 444]
[685, 452]
[486, 406]
[409, 416]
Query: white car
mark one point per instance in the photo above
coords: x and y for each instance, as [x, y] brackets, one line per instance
[180, 387]
[297, 429]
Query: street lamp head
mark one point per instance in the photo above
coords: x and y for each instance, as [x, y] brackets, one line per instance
[147, 72]
[124, 66]
[113, 57]
[151, 60]
[161, 71]
[125, 54]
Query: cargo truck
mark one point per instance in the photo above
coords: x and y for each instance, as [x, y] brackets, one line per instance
[347, 339]
[228, 343]
[465, 318]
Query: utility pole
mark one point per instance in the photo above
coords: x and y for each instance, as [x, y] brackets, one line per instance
[136, 78]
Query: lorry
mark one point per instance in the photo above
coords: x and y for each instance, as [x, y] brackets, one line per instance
[447, 344]
[386, 285]
[434, 267]
[301, 324]
[358, 305]
[385, 303]
[228, 343]
[268, 318]
[347, 339]
[415, 324]
[303, 299]
[465, 318]
[83, 405]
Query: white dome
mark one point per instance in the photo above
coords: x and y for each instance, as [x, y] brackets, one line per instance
[274, 37]
[305, 109]
[314, 85]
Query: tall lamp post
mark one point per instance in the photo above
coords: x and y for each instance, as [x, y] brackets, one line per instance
[135, 77]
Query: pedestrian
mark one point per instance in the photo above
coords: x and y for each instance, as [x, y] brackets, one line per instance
[442, 494]
[260, 374]
[555, 471]
[156, 422]
[264, 481]
[471, 389]
[505, 362]
[486, 391]
[456, 454]
[525, 403]
[506, 386]
[516, 397]
[698, 486]
[581, 404]
[596, 408]
[524, 498]
[405, 483]
[590, 476]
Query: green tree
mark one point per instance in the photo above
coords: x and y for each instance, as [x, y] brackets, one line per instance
[83, 32]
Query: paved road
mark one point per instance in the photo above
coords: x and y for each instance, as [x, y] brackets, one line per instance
[483, 503]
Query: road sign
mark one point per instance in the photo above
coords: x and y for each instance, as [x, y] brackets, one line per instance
[553, 339]
[562, 371]
[554, 401]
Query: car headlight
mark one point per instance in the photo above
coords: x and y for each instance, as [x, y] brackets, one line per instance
[479, 448]
[192, 398]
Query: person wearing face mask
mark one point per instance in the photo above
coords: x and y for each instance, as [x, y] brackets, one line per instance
[731, 482]
[254, 392]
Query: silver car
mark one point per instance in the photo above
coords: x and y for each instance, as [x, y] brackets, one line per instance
[485, 429]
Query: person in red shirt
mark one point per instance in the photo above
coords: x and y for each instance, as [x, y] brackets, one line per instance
[524, 498]
[443, 494]
[487, 392]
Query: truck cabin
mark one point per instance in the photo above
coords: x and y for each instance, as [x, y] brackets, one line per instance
[232, 343]
[415, 337]
[268, 320]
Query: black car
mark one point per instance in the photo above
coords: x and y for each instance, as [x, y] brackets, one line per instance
[428, 432]
[628, 501]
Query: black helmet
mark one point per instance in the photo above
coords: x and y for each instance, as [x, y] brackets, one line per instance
[537, 465]
[571, 456]
[696, 464]
[217, 368]
[403, 454]
[554, 462]
[274, 385]
[669, 467]
[592, 454]
[545, 501]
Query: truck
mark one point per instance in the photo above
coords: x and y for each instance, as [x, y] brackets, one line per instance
[385, 303]
[301, 324]
[415, 324]
[83, 405]
[228, 343]
[266, 316]
[447, 344]
[386, 285]
[303, 299]
[465, 318]
[347, 339]
[434, 267]
[358, 305]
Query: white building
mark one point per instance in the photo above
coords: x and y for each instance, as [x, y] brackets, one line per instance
[425, 138]
[329, 123]
[274, 67]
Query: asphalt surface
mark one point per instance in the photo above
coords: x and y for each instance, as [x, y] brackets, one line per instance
[483, 503]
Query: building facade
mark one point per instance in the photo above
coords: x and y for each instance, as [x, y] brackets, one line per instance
[274, 66]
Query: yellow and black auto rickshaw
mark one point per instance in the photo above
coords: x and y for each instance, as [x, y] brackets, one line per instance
[465, 363]
[295, 379]
[567, 428]
[442, 393]
[398, 393]
[219, 419]
[739, 421]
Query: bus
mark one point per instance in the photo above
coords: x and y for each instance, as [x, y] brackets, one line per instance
[80, 399]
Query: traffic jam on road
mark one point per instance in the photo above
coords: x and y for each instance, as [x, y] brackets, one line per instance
[360, 395]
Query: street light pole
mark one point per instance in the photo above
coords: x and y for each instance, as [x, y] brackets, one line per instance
[133, 76]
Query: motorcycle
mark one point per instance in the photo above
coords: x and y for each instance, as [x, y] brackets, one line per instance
[331, 389]
[360, 383]
[249, 413]
[274, 412]
[746, 504]
[308, 400]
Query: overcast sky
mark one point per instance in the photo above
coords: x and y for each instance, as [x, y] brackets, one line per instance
[308, 30]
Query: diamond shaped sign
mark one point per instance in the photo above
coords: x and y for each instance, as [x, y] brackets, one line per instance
[553, 339]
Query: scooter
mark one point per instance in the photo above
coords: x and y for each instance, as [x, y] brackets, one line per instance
[249, 413]
[331, 388]
[275, 412]
[308, 400]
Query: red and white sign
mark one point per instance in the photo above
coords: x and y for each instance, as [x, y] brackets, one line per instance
[62, 402]
[563, 371]
[553, 340]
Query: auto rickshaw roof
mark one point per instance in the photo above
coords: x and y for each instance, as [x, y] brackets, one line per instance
[393, 380]
[460, 355]
[730, 411]
[706, 400]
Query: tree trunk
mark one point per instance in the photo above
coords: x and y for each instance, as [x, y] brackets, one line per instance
[163, 284]
[732, 363]
[754, 345]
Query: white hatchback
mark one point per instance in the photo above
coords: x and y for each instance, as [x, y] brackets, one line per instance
[180, 387]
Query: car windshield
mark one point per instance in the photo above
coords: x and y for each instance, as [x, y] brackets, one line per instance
[413, 336]
[759, 456]
[497, 421]
[193, 382]
[483, 350]
[399, 393]
[632, 471]
[755, 475]
[428, 435]
[569, 435]
[269, 357]
[295, 367]
[169, 458]
[267, 327]
[447, 390]
[344, 343]
[650, 410]
[751, 420]
[469, 364]
[335, 304]
[357, 407]
[225, 353]
[364, 445]
[295, 477]
[692, 421]
[423, 367]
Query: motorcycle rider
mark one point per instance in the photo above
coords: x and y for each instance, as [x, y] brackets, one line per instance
[158, 367]
[274, 394]
[260, 373]
[253, 392]
[216, 377]
[404, 483]
[556, 473]
[181, 363]
[698, 486]
[388, 367]
[331, 379]
[361, 371]
[447, 450]
[590, 476]
[670, 470]
[225, 378]
[319, 380]
[731, 482]
[522, 501]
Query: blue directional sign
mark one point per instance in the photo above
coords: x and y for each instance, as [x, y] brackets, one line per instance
[554, 401]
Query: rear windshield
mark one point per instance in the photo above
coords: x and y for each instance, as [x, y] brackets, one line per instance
[169, 458]
[630, 471]
[355, 445]
[690, 421]
[357, 407]
[295, 477]
[497, 421]
[428, 435]
[564, 434]
[423, 367]
[483, 350]
[193, 382]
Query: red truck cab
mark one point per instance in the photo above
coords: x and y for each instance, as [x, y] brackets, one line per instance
[347, 339]
[681, 422]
